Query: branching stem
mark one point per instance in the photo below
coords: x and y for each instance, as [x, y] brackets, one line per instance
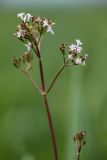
[57, 75]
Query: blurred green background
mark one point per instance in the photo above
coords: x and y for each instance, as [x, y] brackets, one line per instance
[78, 100]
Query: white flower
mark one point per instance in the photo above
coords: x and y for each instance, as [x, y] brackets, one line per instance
[24, 17]
[72, 47]
[78, 61]
[78, 49]
[49, 29]
[49, 26]
[20, 34]
[75, 48]
[78, 42]
[28, 46]
[21, 15]
[70, 57]
[27, 18]
[45, 23]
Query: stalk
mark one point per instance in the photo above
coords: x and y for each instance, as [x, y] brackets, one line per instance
[56, 76]
[44, 94]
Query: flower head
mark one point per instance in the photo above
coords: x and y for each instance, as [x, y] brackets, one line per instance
[73, 54]
[49, 29]
[78, 42]
[70, 56]
[45, 23]
[76, 47]
[27, 18]
[21, 15]
[72, 47]
[48, 25]
[20, 32]
[78, 60]
[24, 17]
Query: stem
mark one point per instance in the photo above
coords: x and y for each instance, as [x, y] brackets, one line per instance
[56, 76]
[78, 158]
[78, 153]
[51, 128]
[47, 106]
[33, 82]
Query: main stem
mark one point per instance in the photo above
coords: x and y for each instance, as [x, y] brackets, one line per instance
[47, 106]
[78, 152]
[78, 158]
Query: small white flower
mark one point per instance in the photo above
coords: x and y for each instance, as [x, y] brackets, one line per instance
[21, 15]
[70, 57]
[72, 47]
[27, 17]
[45, 23]
[24, 17]
[78, 42]
[78, 49]
[48, 26]
[78, 61]
[20, 34]
[28, 46]
[49, 29]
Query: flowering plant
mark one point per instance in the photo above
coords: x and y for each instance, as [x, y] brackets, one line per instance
[30, 32]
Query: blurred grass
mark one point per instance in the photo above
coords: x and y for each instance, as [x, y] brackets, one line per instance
[78, 100]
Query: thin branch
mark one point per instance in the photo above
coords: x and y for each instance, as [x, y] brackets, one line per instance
[40, 37]
[64, 60]
[57, 75]
[33, 82]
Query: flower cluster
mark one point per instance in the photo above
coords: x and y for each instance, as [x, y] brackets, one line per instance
[30, 32]
[24, 17]
[79, 138]
[23, 63]
[32, 26]
[74, 53]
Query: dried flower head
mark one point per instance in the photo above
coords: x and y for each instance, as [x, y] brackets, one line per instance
[23, 63]
[79, 137]
[79, 140]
